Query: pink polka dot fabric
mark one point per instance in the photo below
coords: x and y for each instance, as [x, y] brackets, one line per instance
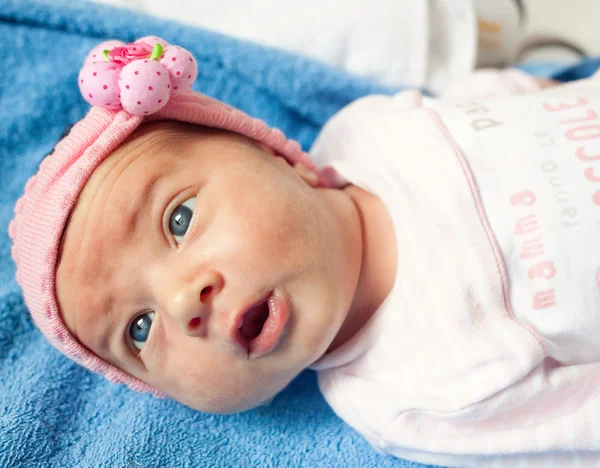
[116, 75]
[126, 91]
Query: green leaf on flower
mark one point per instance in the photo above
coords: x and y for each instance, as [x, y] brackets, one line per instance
[156, 52]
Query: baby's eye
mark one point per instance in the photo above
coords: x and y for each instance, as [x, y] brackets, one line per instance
[181, 218]
[139, 330]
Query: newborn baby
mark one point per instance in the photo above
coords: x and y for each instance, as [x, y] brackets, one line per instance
[435, 271]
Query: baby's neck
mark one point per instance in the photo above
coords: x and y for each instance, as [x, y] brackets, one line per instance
[379, 263]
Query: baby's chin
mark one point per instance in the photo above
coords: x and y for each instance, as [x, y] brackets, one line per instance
[244, 407]
[228, 406]
[232, 397]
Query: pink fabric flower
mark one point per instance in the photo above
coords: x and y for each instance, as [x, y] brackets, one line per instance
[126, 54]
[140, 77]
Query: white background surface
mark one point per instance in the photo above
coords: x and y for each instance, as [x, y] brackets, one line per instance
[575, 20]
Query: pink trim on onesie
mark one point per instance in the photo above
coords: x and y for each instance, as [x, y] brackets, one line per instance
[488, 229]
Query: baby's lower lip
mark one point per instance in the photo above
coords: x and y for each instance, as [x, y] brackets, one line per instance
[272, 331]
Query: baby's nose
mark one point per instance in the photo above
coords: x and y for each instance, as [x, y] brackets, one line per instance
[190, 302]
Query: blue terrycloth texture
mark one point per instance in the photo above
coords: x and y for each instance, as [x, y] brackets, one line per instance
[54, 413]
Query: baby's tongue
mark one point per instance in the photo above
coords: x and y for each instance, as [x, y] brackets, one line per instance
[254, 321]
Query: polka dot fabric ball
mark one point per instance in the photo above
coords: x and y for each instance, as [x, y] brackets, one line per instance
[145, 87]
[98, 84]
[182, 67]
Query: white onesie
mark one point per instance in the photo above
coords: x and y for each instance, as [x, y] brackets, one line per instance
[487, 350]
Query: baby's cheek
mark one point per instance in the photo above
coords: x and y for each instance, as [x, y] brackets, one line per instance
[188, 374]
[289, 223]
[209, 385]
[171, 371]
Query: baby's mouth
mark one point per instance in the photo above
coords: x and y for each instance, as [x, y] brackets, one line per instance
[252, 324]
[260, 329]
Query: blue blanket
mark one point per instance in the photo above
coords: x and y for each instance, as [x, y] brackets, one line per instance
[54, 413]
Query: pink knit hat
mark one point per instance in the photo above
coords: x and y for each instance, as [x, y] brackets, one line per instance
[127, 85]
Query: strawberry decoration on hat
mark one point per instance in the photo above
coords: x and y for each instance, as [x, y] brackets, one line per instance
[139, 77]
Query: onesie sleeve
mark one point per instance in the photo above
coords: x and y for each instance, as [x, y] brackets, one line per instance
[489, 82]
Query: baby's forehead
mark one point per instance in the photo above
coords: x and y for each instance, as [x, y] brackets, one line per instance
[115, 189]
[173, 142]
[128, 179]
[154, 139]
[170, 131]
[151, 152]
[134, 172]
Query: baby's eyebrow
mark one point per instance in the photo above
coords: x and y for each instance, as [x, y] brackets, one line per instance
[107, 334]
[149, 188]
[106, 327]
[146, 199]
[150, 193]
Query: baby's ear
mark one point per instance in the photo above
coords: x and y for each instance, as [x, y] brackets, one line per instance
[266, 148]
[306, 174]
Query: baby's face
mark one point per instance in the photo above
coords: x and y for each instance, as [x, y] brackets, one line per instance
[175, 236]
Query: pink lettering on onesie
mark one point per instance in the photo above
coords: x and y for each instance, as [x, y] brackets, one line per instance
[532, 247]
[582, 125]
